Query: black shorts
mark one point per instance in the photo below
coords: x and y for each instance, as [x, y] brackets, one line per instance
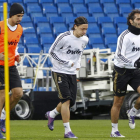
[122, 77]
[14, 78]
[66, 85]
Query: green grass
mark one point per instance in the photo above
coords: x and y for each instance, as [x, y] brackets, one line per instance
[83, 129]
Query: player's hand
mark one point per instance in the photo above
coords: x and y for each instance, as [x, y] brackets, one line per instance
[18, 58]
[77, 69]
[72, 64]
[137, 63]
[2, 56]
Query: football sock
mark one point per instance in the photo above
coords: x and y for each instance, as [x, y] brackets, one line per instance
[3, 114]
[114, 127]
[54, 113]
[67, 127]
[133, 111]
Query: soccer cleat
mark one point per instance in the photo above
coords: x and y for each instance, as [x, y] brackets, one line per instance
[131, 120]
[50, 121]
[3, 129]
[1, 136]
[116, 134]
[70, 135]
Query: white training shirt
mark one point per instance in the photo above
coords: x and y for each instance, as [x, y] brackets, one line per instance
[65, 50]
[128, 50]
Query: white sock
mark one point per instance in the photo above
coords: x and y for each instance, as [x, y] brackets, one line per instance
[54, 113]
[3, 114]
[114, 127]
[133, 111]
[67, 127]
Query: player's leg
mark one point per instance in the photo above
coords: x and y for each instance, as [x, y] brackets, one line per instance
[120, 81]
[115, 111]
[2, 95]
[135, 84]
[73, 90]
[15, 87]
[2, 120]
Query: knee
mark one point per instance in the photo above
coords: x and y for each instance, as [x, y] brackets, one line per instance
[17, 95]
[118, 103]
[2, 94]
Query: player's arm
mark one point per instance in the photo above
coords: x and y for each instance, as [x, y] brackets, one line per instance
[17, 56]
[55, 51]
[122, 45]
[2, 56]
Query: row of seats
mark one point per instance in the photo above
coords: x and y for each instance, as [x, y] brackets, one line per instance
[76, 8]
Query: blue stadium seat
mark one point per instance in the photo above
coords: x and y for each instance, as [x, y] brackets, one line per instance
[121, 29]
[34, 11]
[21, 49]
[113, 47]
[26, 62]
[92, 3]
[46, 2]
[50, 11]
[93, 32]
[63, 3]
[124, 11]
[26, 22]
[111, 41]
[80, 11]
[29, 31]
[105, 22]
[46, 48]
[33, 49]
[76, 1]
[1, 10]
[109, 32]
[106, 3]
[96, 12]
[30, 40]
[41, 21]
[30, 2]
[96, 42]
[120, 21]
[122, 3]
[46, 31]
[59, 29]
[111, 12]
[57, 21]
[48, 40]
[65, 11]
[14, 1]
[135, 4]
[70, 20]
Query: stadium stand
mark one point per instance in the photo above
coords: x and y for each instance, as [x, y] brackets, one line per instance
[45, 19]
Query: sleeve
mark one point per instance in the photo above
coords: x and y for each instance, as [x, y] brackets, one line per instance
[122, 44]
[55, 51]
[79, 60]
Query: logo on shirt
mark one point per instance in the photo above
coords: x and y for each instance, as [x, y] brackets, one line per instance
[135, 49]
[13, 43]
[59, 80]
[74, 52]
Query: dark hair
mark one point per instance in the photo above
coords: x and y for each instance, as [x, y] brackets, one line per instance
[132, 16]
[79, 21]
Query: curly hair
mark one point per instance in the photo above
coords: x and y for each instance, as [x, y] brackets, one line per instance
[132, 16]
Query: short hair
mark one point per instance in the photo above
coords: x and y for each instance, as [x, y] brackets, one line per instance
[79, 21]
[132, 16]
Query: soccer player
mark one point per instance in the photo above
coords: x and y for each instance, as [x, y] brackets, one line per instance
[126, 70]
[65, 55]
[14, 33]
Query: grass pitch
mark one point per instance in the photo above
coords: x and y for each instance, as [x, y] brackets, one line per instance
[83, 129]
